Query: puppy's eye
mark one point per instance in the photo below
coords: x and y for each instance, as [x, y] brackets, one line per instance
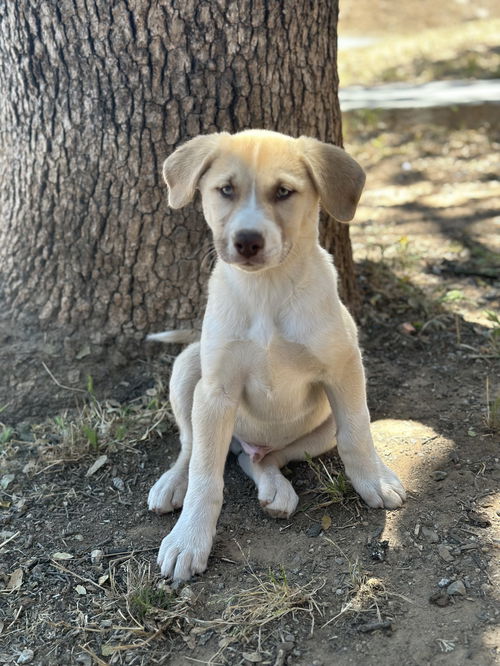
[226, 190]
[283, 193]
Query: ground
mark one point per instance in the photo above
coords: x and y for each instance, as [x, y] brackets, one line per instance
[337, 582]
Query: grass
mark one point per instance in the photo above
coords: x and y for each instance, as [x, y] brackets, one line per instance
[469, 50]
[101, 426]
[365, 594]
[272, 597]
[332, 486]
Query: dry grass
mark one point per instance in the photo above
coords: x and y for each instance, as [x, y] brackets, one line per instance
[251, 614]
[102, 427]
[365, 594]
[468, 50]
[131, 608]
[332, 486]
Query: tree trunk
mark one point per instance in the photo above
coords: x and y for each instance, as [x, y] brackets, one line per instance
[96, 95]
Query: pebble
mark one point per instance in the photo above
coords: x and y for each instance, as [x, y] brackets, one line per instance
[96, 556]
[456, 588]
[444, 582]
[84, 659]
[118, 483]
[439, 475]
[444, 553]
[315, 530]
[429, 534]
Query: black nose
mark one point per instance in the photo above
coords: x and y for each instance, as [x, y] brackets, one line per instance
[248, 243]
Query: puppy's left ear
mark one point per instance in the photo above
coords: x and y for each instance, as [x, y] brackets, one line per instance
[183, 169]
[338, 178]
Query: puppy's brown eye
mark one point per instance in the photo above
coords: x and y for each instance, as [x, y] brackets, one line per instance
[283, 193]
[226, 190]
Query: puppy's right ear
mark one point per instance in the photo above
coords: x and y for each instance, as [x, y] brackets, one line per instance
[184, 168]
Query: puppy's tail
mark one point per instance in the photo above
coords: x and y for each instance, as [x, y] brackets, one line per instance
[180, 337]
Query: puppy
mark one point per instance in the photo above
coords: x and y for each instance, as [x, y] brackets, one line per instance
[277, 373]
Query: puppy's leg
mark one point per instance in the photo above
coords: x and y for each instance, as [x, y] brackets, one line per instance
[168, 492]
[276, 494]
[372, 479]
[185, 550]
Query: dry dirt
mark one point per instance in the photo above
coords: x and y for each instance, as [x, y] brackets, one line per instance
[338, 582]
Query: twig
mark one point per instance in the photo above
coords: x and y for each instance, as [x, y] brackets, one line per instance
[72, 573]
[97, 659]
[58, 383]
[9, 539]
[373, 626]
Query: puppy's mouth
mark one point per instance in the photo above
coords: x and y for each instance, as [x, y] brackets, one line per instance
[252, 264]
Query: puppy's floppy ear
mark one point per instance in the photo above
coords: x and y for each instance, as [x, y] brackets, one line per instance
[338, 177]
[184, 168]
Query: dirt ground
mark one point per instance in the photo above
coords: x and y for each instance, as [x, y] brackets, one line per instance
[338, 582]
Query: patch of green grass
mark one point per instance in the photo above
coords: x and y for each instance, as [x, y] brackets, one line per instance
[102, 426]
[5, 434]
[332, 487]
[149, 599]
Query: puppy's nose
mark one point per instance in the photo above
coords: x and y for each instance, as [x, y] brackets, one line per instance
[248, 243]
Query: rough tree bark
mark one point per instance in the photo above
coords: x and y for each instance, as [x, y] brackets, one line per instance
[94, 96]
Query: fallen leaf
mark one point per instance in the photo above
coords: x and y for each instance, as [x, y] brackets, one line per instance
[80, 589]
[62, 556]
[102, 579]
[326, 522]
[15, 580]
[96, 465]
[6, 480]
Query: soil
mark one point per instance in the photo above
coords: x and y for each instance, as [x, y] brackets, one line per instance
[370, 586]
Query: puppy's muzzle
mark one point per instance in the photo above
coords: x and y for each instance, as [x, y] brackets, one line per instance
[248, 243]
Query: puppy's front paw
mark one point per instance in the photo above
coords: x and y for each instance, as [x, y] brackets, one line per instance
[168, 492]
[379, 487]
[277, 496]
[184, 552]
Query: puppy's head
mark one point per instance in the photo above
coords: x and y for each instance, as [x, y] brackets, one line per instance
[261, 190]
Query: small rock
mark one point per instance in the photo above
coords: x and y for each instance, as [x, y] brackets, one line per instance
[378, 549]
[96, 556]
[314, 530]
[444, 553]
[26, 656]
[456, 588]
[84, 659]
[444, 582]
[440, 598]
[118, 484]
[429, 534]
[439, 475]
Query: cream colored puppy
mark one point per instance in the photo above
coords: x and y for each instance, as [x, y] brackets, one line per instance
[278, 370]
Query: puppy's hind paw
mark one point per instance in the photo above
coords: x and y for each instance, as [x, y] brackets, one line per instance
[168, 492]
[277, 496]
